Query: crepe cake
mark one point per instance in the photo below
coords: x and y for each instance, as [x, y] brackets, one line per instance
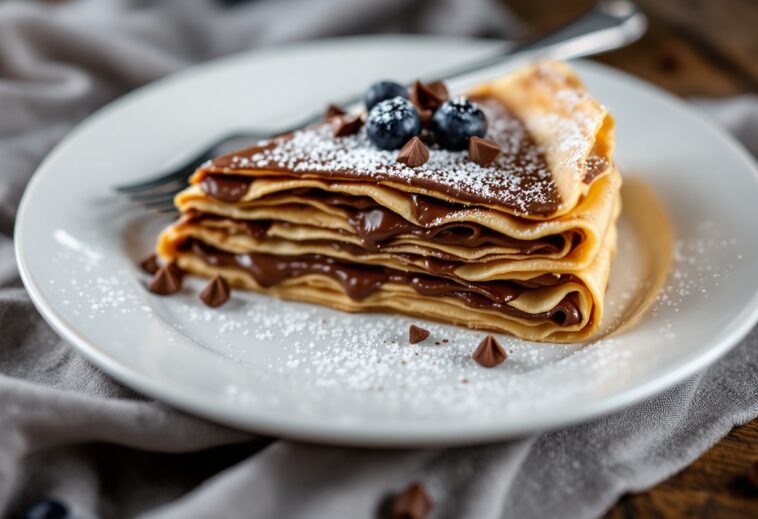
[520, 245]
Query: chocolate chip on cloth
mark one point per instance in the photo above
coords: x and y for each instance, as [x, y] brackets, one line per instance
[216, 293]
[489, 353]
[413, 503]
[166, 281]
[416, 334]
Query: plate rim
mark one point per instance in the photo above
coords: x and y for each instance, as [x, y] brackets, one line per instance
[337, 434]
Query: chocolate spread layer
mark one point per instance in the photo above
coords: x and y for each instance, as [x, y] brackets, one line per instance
[519, 179]
[226, 188]
[440, 263]
[379, 225]
[360, 281]
[376, 225]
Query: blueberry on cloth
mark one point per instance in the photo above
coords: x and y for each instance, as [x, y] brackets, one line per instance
[457, 120]
[381, 91]
[47, 509]
[391, 123]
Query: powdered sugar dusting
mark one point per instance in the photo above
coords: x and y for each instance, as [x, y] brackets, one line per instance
[356, 367]
[518, 179]
[325, 352]
[570, 132]
[367, 356]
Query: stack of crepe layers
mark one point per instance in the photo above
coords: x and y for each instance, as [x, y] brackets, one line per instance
[521, 245]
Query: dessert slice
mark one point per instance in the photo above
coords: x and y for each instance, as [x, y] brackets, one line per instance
[514, 234]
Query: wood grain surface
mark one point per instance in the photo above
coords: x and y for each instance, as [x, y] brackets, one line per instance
[715, 485]
[692, 48]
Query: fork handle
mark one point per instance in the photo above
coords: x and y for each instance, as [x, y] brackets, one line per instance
[610, 24]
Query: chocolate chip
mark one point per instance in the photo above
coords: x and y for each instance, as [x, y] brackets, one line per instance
[489, 353]
[416, 334]
[150, 264]
[347, 125]
[413, 503]
[428, 96]
[333, 111]
[176, 270]
[166, 280]
[414, 153]
[216, 292]
[482, 151]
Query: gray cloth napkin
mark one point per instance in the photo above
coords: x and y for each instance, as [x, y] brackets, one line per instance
[69, 432]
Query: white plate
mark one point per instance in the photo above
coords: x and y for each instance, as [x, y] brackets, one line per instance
[306, 372]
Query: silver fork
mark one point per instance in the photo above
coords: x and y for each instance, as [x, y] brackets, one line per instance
[610, 24]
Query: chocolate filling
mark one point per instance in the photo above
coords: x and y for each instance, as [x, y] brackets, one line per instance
[226, 188]
[360, 281]
[379, 225]
[376, 225]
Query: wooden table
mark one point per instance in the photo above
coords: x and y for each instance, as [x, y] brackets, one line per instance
[692, 48]
[715, 485]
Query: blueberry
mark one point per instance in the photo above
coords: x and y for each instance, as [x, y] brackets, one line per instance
[382, 90]
[47, 509]
[455, 121]
[391, 123]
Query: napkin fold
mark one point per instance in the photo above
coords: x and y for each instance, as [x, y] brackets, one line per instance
[69, 432]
